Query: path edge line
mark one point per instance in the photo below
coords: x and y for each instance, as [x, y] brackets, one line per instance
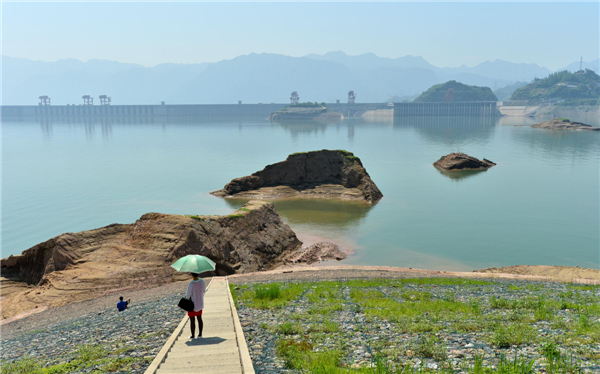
[245, 360]
[160, 356]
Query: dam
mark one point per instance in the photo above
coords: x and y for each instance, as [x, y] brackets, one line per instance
[226, 112]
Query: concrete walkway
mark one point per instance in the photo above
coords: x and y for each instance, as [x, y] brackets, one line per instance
[221, 350]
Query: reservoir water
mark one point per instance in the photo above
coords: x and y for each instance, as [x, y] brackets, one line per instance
[539, 205]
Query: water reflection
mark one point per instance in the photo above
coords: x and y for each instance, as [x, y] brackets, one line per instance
[559, 143]
[462, 174]
[323, 213]
[450, 130]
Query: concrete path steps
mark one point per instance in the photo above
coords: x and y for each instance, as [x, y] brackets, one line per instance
[221, 350]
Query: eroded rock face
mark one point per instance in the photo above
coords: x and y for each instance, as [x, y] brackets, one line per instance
[79, 266]
[462, 161]
[317, 174]
[321, 251]
[564, 124]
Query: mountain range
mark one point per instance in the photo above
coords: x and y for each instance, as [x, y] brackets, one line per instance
[253, 78]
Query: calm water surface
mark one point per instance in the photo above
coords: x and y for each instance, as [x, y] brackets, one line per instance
[539, 205]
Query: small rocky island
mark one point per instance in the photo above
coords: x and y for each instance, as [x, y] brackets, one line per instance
[564, 124]
[318, 174]
[79, 266]
[455, 162]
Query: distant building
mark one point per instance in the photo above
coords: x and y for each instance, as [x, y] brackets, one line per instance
[87, 100]
[351, 97]
[44, 100]
[294, 98]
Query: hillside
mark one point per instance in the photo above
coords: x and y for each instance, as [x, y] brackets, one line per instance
[453, 91]
[581, 87]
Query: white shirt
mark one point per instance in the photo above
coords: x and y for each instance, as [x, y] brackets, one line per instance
[196, 290]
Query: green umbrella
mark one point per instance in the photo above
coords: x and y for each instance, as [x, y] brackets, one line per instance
[194, 264]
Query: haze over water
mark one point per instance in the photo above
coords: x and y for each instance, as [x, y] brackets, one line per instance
[539, 205]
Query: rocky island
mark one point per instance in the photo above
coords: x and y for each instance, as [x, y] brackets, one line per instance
[454, 162]
[80, 266]
[331, 174]
[564, 124]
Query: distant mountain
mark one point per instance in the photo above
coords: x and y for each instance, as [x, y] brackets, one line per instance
[504, 70]
[251, 78]
[591, 65]
[65, 81]
[369, 61]
[504, 93]
[453, 91]
[582, 86]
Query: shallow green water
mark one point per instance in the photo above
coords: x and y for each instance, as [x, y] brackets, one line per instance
[539, 205]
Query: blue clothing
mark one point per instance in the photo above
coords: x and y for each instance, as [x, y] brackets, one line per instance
[122, 305]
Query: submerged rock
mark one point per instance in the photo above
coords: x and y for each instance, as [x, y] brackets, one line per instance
[462, 162]
[318, 174]
[564, 124]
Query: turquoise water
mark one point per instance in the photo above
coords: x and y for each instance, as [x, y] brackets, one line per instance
[539, 205]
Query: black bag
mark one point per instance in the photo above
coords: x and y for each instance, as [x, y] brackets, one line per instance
[186, 304]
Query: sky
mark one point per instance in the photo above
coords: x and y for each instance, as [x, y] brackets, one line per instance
[445, 34]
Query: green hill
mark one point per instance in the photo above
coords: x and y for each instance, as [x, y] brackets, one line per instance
[581, 87]
[453, 91]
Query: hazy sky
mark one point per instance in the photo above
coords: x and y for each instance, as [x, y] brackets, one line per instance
[445, 34]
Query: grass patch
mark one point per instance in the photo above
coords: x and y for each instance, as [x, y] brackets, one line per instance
[505, 336]
[86, 356]
[289, 328]
[430, 346]
[376, 304]
[272, 295]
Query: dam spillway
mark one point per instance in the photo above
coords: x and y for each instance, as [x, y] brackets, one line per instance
[164, 113]
[227, 112]
[449, 109]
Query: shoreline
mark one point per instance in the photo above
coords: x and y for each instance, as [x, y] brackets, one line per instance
[35, 319]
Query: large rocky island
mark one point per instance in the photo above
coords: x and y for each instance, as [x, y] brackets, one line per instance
[319, 174]
[84, 265]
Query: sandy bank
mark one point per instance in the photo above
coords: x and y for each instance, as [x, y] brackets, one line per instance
[521, 272]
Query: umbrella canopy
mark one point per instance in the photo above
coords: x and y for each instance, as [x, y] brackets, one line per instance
[194, 264]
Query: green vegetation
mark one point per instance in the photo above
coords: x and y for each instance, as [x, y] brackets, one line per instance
[582, 87]
[91, 358]
[307, 104]
[453, 91]
[407, 324]
[507, 335]
[273, 295]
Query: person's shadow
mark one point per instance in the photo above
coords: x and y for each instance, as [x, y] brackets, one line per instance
[205, 341]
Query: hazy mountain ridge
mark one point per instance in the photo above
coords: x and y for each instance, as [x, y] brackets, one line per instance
[251, 78]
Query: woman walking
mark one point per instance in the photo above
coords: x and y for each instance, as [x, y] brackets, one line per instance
[195, 291]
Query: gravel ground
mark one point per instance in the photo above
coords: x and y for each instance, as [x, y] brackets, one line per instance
[362, 337]
[130, 339]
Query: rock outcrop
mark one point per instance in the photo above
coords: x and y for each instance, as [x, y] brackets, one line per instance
[84, 265]
[564, 124]
[462, 162]
[321, 251]
[318, 174]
